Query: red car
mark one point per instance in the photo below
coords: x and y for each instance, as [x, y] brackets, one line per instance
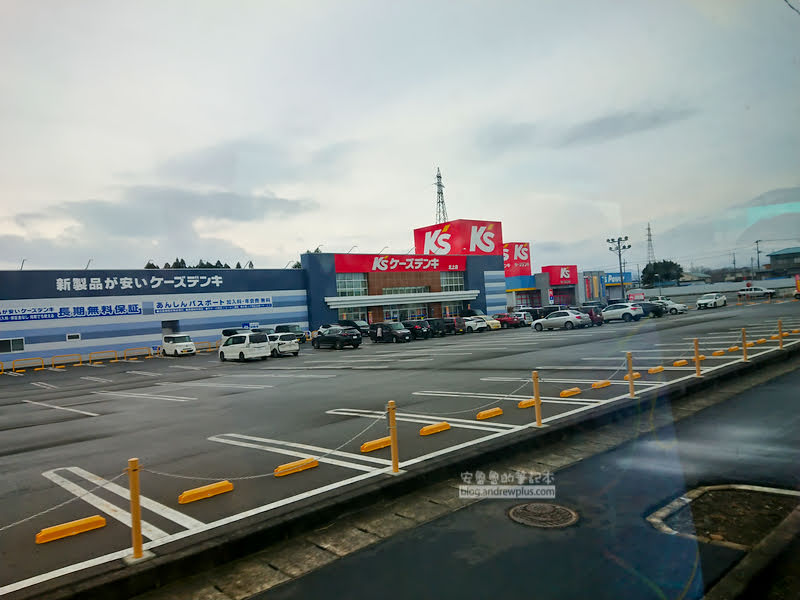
[507, 320]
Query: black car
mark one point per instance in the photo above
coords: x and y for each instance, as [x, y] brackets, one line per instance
[650, 309]
[471, 312]
[595, 304]
[420, 329]
[338, 337]
[389, 332]
[362, 326]
[438, 327]
[455, 325]
[293, 328]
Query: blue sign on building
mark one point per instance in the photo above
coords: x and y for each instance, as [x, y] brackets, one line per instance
[613, 278]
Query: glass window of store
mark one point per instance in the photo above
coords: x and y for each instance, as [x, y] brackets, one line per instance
[391, 313]
[351, 284]
[419, 289]
[413, 311]
[451, 309]
[452, 281]
[353, 313]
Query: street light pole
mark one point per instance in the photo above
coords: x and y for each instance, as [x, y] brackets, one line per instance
[619, 245]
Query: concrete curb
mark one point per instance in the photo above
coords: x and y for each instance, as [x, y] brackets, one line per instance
[735, 582]
[116, 581]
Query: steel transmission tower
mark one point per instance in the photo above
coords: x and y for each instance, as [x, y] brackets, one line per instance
[651, 254]
[441, 209]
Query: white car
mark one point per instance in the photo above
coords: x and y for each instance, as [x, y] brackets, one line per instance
[674, 308]
[175, 345]
[524, 317]
[284, 343]
[244, 346]
[490, 322]
[568, 319]
[473, 324]
[624, 311]
[755, 292]
[711, 301]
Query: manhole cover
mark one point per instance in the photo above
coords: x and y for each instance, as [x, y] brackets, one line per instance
[543, 515]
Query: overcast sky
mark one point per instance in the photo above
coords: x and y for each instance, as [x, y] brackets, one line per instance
[255, 130]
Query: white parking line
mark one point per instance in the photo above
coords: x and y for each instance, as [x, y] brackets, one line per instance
[75, 410]
[482, 396]
[187, 367]
[145, 396]
[42, 384]
[286, 375]
[158, 508]
[145, 373]
[423, 419]
[97, 379]
[552, 380]
[149, 531]
[244, 386]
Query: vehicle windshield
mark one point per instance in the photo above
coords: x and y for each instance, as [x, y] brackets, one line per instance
[361, 323]
[258, 338]
[396, 326]
[288, 337]
[179, 339]
[708, 296]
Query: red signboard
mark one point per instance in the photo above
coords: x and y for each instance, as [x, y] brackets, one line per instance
[394, 263]
[460, 237]
[562, 274]
[517, 258]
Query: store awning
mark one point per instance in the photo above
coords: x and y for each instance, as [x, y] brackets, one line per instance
[398, 299]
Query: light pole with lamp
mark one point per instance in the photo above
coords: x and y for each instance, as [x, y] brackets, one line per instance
[351, 249]
[382, 249]
[619, 245]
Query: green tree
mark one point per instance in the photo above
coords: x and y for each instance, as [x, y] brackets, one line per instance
[666, 270]
[297, 265]
[150, 265]
[218, 264]
[166, 266]
[238, 265]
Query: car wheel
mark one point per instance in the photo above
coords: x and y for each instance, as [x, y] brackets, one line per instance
[175, 353]
[163, 352]
[263, 358]
[355, 346]
[637, 317]
[568, 325]
[673, 311]
[241, 356]
[339, 345]
[627, 317]
[296, 353]
[538, 327]
[275, 352]
[315, 344]
[394, 340]
[724, 303]
[222, 356]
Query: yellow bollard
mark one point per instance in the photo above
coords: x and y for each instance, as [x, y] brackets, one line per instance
[780, 334]
[536, 398]
[631, 387]
[136, 510]
[697, 358]
[744, 345]
[390, 409]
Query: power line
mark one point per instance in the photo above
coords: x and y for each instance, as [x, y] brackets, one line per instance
[792, 7]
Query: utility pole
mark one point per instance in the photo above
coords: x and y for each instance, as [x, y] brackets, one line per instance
[619, 245]
[734, 261]
[758, 253]
[441, 209]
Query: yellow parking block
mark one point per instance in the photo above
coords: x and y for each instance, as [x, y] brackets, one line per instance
[750, 344]
[488, 414]
[700, 357]
[680, 363]
[570, 392]
[434, 428]
[653, 370]
[734, 349]
[526, 403]
[718, 353]
[56, 532]
[636, 375]
[376, 444]
[206, 491]
[296, 466]
[773, 337]
[601, 384]
[762, 340]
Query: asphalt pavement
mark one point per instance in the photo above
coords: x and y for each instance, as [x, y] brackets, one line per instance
[612, 551]
[193, 420]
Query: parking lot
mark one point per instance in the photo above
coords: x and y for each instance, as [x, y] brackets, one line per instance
[68, 433]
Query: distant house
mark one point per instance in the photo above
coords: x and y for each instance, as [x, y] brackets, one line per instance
[696, 278]
[786, 261]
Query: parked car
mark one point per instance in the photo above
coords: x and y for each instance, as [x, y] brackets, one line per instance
[455, 325]
[490, 322]
[651, 309]
[595, 317]
[712, 300]
[540, 312]
[659, 299]
[624, 311]
[266, 330]
[507, 320]
[338, 337]
[597, 304]
[389, 332]
[362, 326]
[674, 308]
[321, 329]
[283, 343]
[797, 295]
[471, 312]
[754, 291]
[475, 324]
[419, 328]
[525, 318]
[226, 333]
[177, 344]
[292, 328]
[568, 319]
[438, 327]
[244, 346]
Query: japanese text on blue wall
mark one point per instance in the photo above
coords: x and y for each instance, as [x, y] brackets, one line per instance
[67, 284]
[165, 306]
[40, 313]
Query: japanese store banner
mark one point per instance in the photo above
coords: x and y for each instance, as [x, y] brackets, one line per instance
[517, 258]
[562, 274]
[388, 263]
[460, 237]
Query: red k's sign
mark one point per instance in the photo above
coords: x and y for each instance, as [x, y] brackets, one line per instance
[460, 237]
[378, 263]
[517, 258]
[562, 274]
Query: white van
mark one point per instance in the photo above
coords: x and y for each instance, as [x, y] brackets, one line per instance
[177, 344]
[244, 346]
[283, 343]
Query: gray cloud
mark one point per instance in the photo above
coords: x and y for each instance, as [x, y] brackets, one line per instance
[503, 137]
[621, 124]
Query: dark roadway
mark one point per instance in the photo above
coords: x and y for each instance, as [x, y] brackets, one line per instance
[188, 416]
[612, 552]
